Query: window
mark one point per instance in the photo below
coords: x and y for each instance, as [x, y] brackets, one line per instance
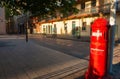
[93, 3]
[83, 6]
[44, 29]
[65, 26]
[91, 28]
[49, 29]
[88, 6]
[55, 29]
[84, 26]
[73, 28]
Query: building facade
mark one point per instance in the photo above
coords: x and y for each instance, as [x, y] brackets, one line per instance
[2, 21]
[79, 25]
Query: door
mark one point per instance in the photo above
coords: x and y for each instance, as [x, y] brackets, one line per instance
[73, 28]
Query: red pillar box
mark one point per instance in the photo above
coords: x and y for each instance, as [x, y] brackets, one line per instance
[98, 50]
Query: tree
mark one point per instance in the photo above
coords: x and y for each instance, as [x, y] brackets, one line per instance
[41, 7]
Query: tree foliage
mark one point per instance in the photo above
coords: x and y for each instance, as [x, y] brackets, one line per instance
[41, 7]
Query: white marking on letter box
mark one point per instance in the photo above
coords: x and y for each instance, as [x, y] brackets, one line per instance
[97, 49]
[97, 34]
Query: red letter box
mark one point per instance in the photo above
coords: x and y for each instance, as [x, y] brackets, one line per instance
[98, 49]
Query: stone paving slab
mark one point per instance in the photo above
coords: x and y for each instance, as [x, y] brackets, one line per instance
[65, 72]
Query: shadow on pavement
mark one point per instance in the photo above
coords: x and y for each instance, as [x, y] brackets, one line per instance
[81, 77]
[117, 42]
[116, 71]
[64, 49]
[6, 44]
[115, 75]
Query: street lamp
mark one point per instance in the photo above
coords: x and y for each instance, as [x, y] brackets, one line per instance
[112, 34]
[27, 17]
[26, 28]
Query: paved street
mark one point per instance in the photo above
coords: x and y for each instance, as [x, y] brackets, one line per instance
[36, 60]
[74, 48]
[46, 58]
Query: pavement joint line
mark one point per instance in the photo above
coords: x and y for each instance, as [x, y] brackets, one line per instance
[70, 70]
[81, 74]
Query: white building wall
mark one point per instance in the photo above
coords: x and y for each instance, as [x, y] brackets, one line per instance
[78, 23]
[69, 26]
[78, 7]
[59, 26]
[106, 1]
[46, 25]
[88, 21]
[41, 27]
[2, 21]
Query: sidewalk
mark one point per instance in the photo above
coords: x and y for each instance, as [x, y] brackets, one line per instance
[21, 60]
[116, 62]
[115, 67]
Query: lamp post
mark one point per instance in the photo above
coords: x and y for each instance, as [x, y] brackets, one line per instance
[27, 17]
[111, 34]
[27, 32]
[26, 27]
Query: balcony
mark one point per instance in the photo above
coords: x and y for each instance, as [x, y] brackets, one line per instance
[85, 12]
[106, 8]
[94, 10]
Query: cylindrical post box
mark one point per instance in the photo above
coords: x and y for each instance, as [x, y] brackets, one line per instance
[98, 49]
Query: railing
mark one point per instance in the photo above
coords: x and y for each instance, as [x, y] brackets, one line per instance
[104, 8]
